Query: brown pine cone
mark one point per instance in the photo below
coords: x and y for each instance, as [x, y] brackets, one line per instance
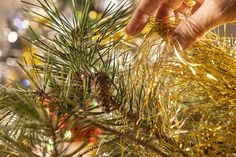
[101, 88]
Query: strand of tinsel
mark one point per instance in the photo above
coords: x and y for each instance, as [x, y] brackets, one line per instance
[192, 93]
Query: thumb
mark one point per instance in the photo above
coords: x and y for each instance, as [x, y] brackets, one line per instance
[208, 16]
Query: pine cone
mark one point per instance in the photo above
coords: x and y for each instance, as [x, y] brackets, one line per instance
[100, 87]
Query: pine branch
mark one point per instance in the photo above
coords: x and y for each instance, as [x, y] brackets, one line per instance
[89, 76]
[133, 139]
[97, 146]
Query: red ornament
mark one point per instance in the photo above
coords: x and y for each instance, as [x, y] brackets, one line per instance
[90, 135]
[92, 140]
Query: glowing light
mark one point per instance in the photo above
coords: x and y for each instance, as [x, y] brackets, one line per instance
[68, 135]
[25, 24]
[12, 37]
[16, 22]
[21, 24]
[11, 61]
[26, 83]
[93, 15]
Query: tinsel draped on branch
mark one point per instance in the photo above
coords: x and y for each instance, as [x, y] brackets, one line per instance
[98, 92]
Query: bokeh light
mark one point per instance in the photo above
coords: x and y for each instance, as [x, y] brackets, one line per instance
[12, 37]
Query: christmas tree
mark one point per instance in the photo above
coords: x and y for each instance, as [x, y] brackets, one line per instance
[97, 92]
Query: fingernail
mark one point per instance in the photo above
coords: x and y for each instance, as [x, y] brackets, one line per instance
[129, 30]
[136, 24]
[133, 30]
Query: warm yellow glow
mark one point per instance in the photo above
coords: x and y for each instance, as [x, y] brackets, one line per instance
[68, 135]
[93, 15]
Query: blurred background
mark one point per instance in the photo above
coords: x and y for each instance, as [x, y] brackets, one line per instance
[13, 26]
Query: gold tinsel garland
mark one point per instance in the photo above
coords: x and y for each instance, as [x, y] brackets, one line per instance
[183, 101]
[189, 96]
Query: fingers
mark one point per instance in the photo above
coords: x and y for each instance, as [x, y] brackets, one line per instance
[141, 16]
[207, 14]
[146, 7]
[205, 18]
[167, 8]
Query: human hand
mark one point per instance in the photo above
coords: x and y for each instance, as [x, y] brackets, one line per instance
[207, 14]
